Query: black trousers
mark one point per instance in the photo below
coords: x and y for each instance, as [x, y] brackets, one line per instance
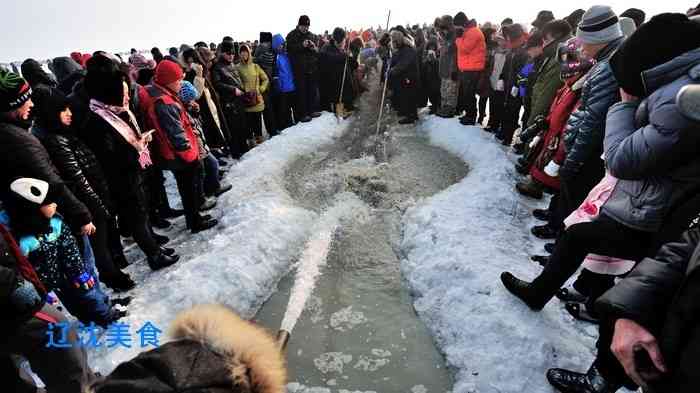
[283, 106]
[511, 115]
[104, 244]
[603, 236]
[63, 370]
[254, 123]
[238, 129]
[469, 81]
[574, 190]
[157, 196]
[269, 115]
[134, 218]
[307, 93]
[189, 186]
[483, 102]
[496, 108]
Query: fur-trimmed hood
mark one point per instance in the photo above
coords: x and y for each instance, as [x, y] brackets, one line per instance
[213, 350]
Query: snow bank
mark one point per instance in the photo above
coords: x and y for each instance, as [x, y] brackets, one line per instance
[455, 246]
[238, 263]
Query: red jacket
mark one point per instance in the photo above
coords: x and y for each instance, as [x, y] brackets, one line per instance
[174, 138]
[552, 147]
[471, 50]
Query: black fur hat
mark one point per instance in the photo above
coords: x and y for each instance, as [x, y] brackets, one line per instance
[104, 80]
[338, 35]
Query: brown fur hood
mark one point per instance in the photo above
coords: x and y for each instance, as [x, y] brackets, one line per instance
[253, 355]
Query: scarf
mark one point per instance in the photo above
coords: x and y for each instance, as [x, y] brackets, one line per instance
[110, 114]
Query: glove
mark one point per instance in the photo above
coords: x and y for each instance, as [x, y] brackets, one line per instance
[25, 298]
[500, 85]
[84, 281]
[535, 141]
[514, 91]
[552, 169]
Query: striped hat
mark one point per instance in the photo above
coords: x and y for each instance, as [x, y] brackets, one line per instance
[599, 25]
[14, 91]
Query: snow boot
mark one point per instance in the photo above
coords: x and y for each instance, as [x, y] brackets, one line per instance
[549, 247]
[542, 214]
[204, 224]
[160, 223]
[119, 282]
[567, 381]
[544, 232]
[167, 251]
[522, 166]
[529, 188]
[222, 190]
[161, 260]
[523, 290]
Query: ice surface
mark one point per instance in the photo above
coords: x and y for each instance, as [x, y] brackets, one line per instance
[456, 244]
[346, 319]
[239, 263]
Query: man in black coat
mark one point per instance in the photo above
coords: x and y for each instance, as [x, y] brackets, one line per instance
[303, 53]
[403, 75]
[334, 62]
[22, 155]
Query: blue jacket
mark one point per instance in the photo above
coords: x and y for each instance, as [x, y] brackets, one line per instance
[284, 80]
[653, 149]
[583, 135]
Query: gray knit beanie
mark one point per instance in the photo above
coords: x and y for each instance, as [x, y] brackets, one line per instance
[599, 25]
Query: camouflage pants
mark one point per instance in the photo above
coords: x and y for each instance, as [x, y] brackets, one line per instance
[449, 94]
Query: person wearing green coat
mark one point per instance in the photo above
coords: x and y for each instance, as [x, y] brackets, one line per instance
[255, 84]
[548, 80]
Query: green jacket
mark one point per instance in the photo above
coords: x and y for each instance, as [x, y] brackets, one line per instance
[547, 84]
[254, 79]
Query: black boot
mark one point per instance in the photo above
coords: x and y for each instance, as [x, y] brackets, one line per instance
[522, 166]
[161, 260]
[523, 290]
[203, 225]
[120, 261]
[541, 259]
[530, 188]
[222, 190]
[119, 281]
[123, 301]
[572, 382]
[542, 214]
[160, 239]
[171, 213]
[544, 232]
[160, 223]
[209, 203]
[549, 247]
[167, 251]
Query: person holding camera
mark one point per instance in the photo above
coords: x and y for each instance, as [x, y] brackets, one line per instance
[303, 53]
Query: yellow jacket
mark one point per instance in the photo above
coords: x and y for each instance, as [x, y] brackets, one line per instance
[254, 79]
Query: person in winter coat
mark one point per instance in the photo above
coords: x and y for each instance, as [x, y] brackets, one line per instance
[484, 89]
[650, 147]
[584, 132]
[228, 85]
[283, 84]
[516, 59]
[498, 96]
[68, 72]
[81, 170]
[23, 155]
[211, 184]
[471, 62]
[27, 322]
[303, 53]
[50, 247]
[336, 69]
[449, 73]
[403, 75]
[264, 56]
[548, 81]
[212, 350]
[113, 134]
[175, 141]
[430, 75]
[255, 85]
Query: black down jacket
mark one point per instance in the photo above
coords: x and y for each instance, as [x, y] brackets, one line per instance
[663, 295]
[80, 169]
[22, 155]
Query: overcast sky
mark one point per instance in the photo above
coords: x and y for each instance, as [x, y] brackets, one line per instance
[49, 28]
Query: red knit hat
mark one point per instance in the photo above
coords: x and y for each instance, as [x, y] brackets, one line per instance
[168, 72]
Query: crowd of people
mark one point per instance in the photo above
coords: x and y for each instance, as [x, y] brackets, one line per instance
[591, 101]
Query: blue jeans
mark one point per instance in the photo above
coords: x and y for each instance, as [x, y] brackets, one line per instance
[90, 305]
[211, 181]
